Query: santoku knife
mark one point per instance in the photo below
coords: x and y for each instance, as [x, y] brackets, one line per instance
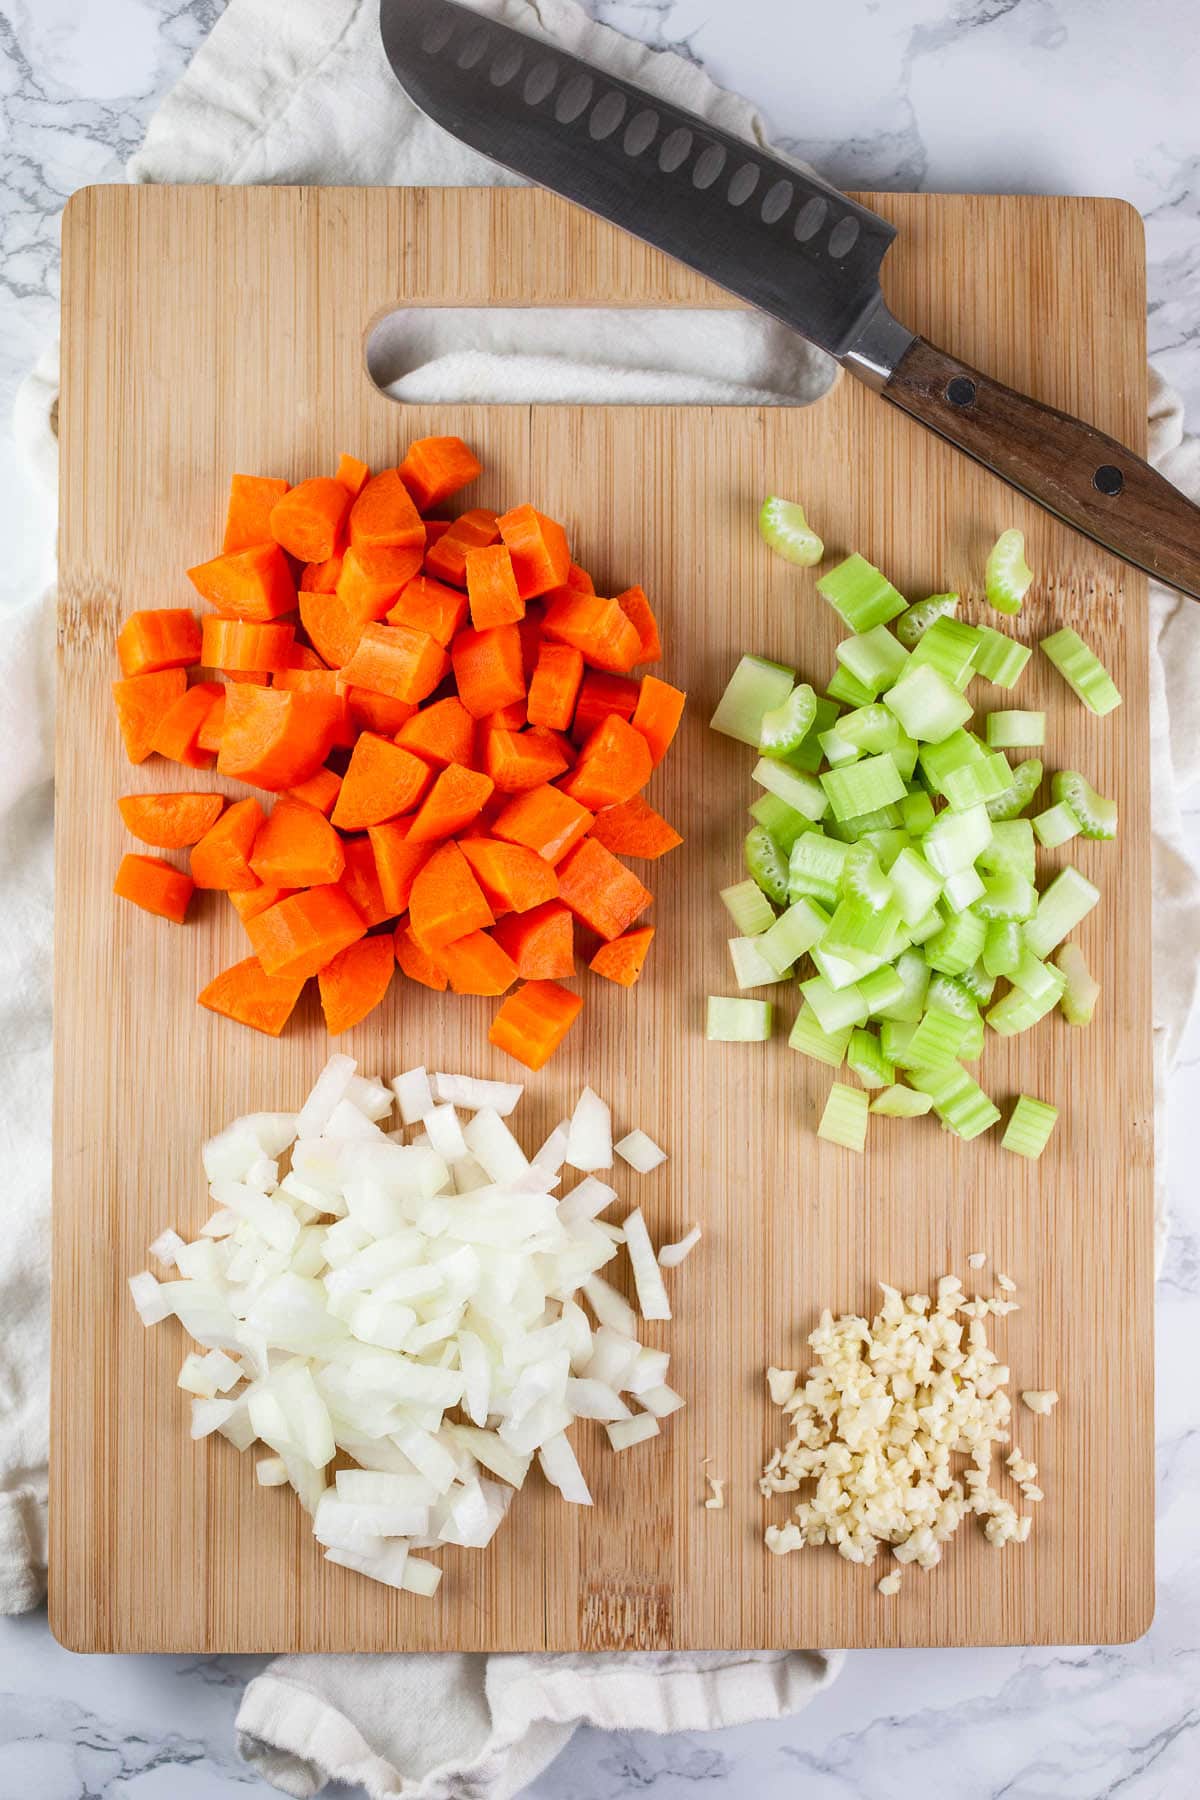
[782, 240]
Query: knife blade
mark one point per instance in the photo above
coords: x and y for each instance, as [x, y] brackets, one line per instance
[780, 239]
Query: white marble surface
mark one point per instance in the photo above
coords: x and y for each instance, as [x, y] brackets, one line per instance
[996, 95]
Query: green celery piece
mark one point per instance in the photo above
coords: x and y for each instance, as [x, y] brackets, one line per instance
[883, 988]
[950, 646]
[767, 863]
[1056, 825]
[1007, 896]
[844, 1120]
[1081, 990]
[915, 885]
[793, 934]
[847, 688]
[887, 843]
[827, 1047]
[784, 529]
[784, 728]
[815, 868]
[858, 926]
[955, 839]
[1007, 577]
[958, 1100]
[873, 657]
[904, 755]
[1000, 658]
[912, 625]
[835, 1008]
[961, 889]
[807, 756]
[1011, 851]
[884, 818]
[1097, 816]
[936, 1041]
[979, 985]
[1029, 1127]
[860, 596]
[748, 907]
[916, 813]
[901, 1103]
[1016, 730]
[863, 878]
[750, 967]
[1018, 1011]
[783, 822]
[927, 705]
[738, 1021]
[957, 945]
[1068, 900]
[1041, 981]
[1004, 947]
[1026, 780]
[844, 969]
[862, 787]
[870, 729]
[867, 1061]
[939, 761]
[1082, 671]
[838, 750]
[928, 927]
[971, 1048]
[803, 793]
[895, 1035]
[913, 971]
[978, 782]
[950, 993]
[755, 687]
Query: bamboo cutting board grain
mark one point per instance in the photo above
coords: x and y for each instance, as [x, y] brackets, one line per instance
[207, 330]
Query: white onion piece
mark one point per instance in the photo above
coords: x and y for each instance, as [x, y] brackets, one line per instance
[627, 1432]
[209, 1416]
[586, 1200]
[222, 1224]
[271, 1471]
[164, 1247]
[612, 1309]
[209, 1375]
[661, 1401]
[371, 1098]
[347, 1121]
[640, 1152]
[577, 1333]
[553, 1152]
[493, 1145]
[445, 1134]
[468, 1175]
[330, 1087]
[388, 1565]
[560, 1466]
[588, 1398]
[671, 1255]
[648, 1370]
[420, 1577]
[414, 1094]
[146, 1292]
[487, 1448]
[651, 1292]
[613, 1356]
[474, 1094]
[589, 1138]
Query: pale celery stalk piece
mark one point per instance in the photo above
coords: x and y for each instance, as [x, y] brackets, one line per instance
[958, 945]
[844, 1120]
[1007, 895]
[901, 1103]
[1097, 816]
[874, 657]
[1026, 780]
[936, 1041]
[860, 595]
[958, 1100]
[1003, 948]
[838, 748]
[1007, 576]
[784, 728]
[1082, 670]
[1056, 825]
[882, 988]
[1066, 902]
[862, 787]
[950, 646]
[803, 793]
[1082, 990]
[927, 705]
[962, 889]
[784, 529]
[835, 1008]
[1011, 851]
[738, 1021]
[915, 885]
[781, 821]
[828, 1047]
[866, 1059]
[793, 934]
[1016, 730]
[869, 729]
[748, 907]
[767, 864]
[1028, 1130]
[755, 687]
[847, 688]
[956, 839]
[750, 967]
[1041, 981]
[1000, 659]
[912, 625]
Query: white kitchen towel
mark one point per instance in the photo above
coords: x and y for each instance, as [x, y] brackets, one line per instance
[300, 92]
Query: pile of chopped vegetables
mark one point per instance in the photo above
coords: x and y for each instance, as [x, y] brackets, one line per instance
[891, 866]
[415, 1306]
[451, 729]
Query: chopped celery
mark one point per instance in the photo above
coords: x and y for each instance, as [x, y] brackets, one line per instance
[870, 729]
[748, 907]
[935, 1042]
[1011, 851]
[1017, 1011]
[882, 988]
[916, 812]
[955, 839]
[1026, 780]
[1082, 990]
[858, 926]
[1004, 946]
[927, 705]
[1097, 816]
[793, 934]
[1028, 1130]
[838, 748]
[962, 889]
[750, 967]
[815, 868]
[972, 1045]
[950, 646]
[803, 793]
[834, 1007]
[755, 687]
[904, 755]
[863, 878]
[860, 596]
[887, 843]
[884, 818]
[977, 982]
[827, 1047]
[913, 971]
[950, 993]
[784, 728]
[1000, 658]
[1056, 825]
[1016, 730]
[808, 754]
[784, 529]
[847, 688]
[867, 1061]
[738, 1021]
[783, 822]
[958, 1100]
[1041, 981]
[939, 761]
[914, 884]
[1006, 896]
[1082, 671]
[873, 657]
[978, 782]
[1069, 898]
[844, 1120]
[957, 945]
[842, 971]
[1007, 576]
[901, 1103]
[895, 1035]
[912, 625]
[862, 787]
[767, 863]
[928, 927]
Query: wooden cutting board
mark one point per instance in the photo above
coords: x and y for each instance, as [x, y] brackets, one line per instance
[207, 330]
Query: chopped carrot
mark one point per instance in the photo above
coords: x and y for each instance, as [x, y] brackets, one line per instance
[623, 959]
[328, 683]
[333, 626]
[446, 900]
[177, 732]
[452, 802]
[476, 964]
[657, 715]
[377, 712]
[299, 935]
[600, 695]
[580, 580]
[634, 604]
[236, 645]
[513, 878]
[554, 687]
[541, 942]
[208, 737]
[429, 605]
[321, 577]
[518, 761]
[320, 790]
[155, 885]
[247, 521]
[373, 578]
[437, 467]
[397, 661]
[149, 642]
[249, 902]
[634, 829]
[276, 737]
[360, 879]
[384, 517]
[545, 820]
[397, 862]
[381, 781]
[613, 766]
[297, 847]
[435, 529]
[447, 558]
[442, 733]
[597, 627]
[308, 520]
[488, 668]
[247, 584]
[542, 734]
[355, 981]
[513, 717]
[141, 701]
[353, 474]
[492, 587]
[530, 628]
[304, 661]
[170, 821]
[538, 547]
[600, 891]
[221, 859]
[416, 963]
[533, 1022]
[256, 677]
[247, 994]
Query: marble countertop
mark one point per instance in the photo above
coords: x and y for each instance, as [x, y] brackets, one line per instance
[1070, 96]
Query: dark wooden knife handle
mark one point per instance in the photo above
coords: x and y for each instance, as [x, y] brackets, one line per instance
[1085, 477]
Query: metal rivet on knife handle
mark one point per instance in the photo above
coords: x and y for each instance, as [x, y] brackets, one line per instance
[1108, 479]
[961, 391]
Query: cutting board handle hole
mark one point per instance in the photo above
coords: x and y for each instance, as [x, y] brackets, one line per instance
[584, 355]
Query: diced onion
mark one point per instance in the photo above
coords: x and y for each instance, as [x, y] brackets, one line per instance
[651, 1293]
[627, 1432]
[589, 1138]
[671, 1255]
[640, 1152]
[470, 1092]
